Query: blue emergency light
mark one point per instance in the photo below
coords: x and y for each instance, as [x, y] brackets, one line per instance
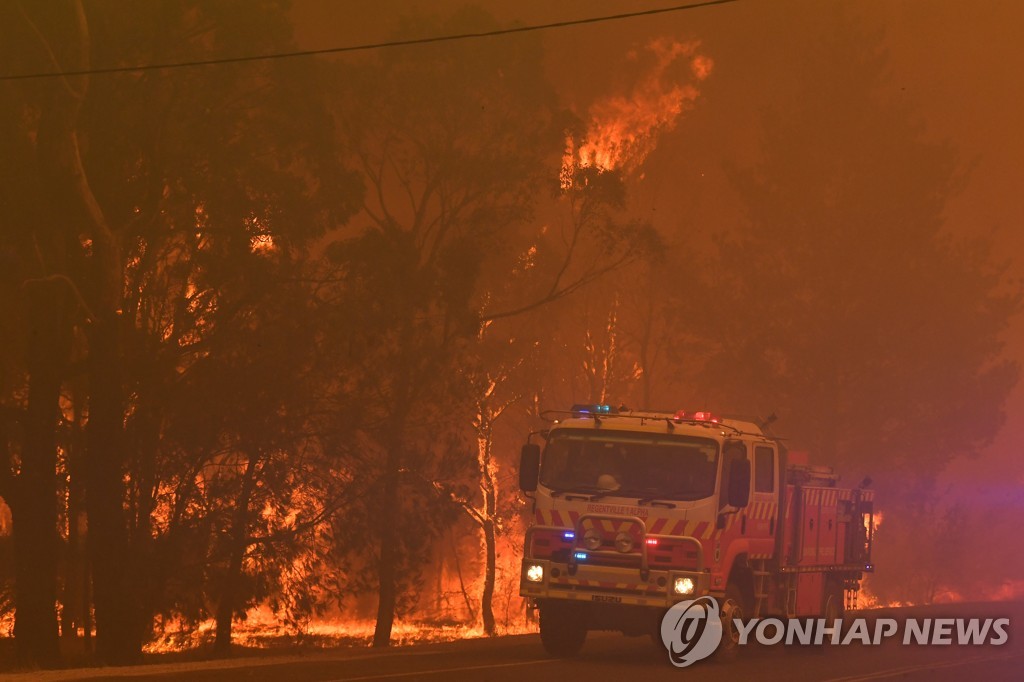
[593, 409]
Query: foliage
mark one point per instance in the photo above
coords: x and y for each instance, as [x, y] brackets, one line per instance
[842, 303]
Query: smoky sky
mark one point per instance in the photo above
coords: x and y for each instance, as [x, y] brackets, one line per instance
[952, 63]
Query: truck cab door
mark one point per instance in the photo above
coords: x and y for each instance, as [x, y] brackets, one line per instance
[763, 511]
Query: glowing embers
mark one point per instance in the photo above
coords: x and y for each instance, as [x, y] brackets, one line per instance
[261, 240]
[261, 627]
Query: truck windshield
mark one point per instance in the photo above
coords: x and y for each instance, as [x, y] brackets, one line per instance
[630, 464]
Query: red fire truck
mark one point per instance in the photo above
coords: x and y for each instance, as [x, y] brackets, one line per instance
[637, 510]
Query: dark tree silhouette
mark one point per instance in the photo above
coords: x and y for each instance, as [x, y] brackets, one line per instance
[451, 145]
[164, 192]
[843, 303]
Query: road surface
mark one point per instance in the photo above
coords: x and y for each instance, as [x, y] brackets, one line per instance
[608, 656]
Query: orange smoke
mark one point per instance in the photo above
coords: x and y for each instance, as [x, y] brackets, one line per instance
[623, 128]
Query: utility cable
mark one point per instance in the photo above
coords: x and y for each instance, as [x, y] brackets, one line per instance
[366, 46]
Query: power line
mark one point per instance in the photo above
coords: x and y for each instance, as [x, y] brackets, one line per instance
[366, 46]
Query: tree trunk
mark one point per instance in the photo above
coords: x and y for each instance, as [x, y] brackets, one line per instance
[390, 502]
[487, 600]
[77, 211]
[142, 550]
[34, 507]
[488, 489]
[388, 559]
[645, 351]
[118, 638]
[239, 543]
[72, 607]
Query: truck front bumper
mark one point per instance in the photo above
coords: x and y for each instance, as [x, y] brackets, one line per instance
[545, 579]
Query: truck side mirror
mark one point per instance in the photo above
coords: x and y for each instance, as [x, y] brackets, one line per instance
[529, 467]
[739, 483]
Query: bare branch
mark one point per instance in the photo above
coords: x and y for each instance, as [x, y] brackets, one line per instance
[44, 44]
[568, 289]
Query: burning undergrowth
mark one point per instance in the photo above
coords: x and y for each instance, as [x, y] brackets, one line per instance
[445, 606]
[263, 629]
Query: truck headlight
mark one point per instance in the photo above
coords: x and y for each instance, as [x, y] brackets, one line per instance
[683, 586]
[592, 539]
[535, 573]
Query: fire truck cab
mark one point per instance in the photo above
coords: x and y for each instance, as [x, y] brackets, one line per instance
[634, 511]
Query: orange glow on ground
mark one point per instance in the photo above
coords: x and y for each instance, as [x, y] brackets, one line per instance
[263, 630]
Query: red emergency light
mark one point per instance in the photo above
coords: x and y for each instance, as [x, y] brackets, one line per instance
[683, 415]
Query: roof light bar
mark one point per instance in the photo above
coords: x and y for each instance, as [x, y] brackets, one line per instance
[584, 409]
[683, 415]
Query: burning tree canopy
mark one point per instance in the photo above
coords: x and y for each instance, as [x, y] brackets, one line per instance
[621, 129]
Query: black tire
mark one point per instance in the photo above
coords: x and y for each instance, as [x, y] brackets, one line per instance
[833, 605]
[732, 606]
[563, 629]
[655, 635]
[797, 649]
[832, 608]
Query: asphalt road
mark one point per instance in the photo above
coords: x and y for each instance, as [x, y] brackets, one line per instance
[608, 656]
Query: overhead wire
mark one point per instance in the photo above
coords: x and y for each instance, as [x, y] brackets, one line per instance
[366, 46]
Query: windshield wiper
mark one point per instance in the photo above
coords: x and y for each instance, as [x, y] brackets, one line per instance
[586, 492]
[580, 489]
[655, 502]
[668, 499]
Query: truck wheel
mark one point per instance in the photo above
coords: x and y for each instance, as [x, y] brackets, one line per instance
[832, 607]
[563, 629]
[733, 606]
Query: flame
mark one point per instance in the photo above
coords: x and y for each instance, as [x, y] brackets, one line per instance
[449, 611]
[261, 243]
[623, 128]
[867, 600]
[262, 628]
[1010, 590]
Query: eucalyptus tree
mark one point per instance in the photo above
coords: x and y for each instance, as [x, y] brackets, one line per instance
[163, 192]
